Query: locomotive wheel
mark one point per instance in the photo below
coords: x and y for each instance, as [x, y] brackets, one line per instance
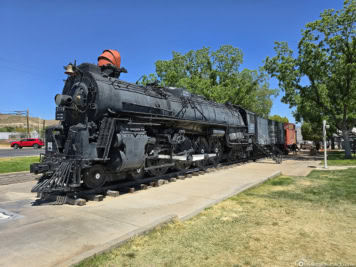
[233, 155]
[240, 153]
[216, 147]
[137, 174]
[182, 165]
[95, 177]
[157, 171]
[236, 153]
[201, 146]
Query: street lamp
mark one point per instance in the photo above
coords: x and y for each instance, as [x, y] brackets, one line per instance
[325, 126]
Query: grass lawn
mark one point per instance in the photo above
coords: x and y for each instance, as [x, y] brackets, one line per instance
[5, 144]
[17, 164]
[337, 158]
[284, 220]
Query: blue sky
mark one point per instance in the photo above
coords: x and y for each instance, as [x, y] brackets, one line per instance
[39, 37]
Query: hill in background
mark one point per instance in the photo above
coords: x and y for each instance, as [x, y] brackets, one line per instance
[19, 122]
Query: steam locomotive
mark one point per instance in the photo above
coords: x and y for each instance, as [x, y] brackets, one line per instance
[112, 130]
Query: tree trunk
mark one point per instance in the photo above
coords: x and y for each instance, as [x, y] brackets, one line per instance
[345, 135]
[317, 146]
[332, 143]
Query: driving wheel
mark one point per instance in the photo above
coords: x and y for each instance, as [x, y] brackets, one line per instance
[201, 146]
[182, 165]
[216, 148]
[155, 163]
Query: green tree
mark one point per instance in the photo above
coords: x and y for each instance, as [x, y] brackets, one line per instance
[320, 80]
[279, 118]
[7, 129]
[310, 133]
[314, 132]
[216, 75]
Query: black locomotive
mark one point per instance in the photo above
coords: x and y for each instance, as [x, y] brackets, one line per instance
[112, 130]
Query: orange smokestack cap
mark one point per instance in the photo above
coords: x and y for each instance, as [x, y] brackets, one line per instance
[110, 57]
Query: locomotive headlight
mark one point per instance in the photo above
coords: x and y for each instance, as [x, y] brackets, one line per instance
[80, 95]
[57, 99]
[64, 100]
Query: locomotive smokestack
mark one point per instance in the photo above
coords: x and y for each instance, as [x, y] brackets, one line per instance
[109, 57]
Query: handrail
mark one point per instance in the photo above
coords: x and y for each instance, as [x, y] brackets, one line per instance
[266, 141]
[271, 150]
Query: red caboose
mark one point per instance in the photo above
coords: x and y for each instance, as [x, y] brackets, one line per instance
[290, 135]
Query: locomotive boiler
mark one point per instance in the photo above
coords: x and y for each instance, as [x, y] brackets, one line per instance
[111, 130]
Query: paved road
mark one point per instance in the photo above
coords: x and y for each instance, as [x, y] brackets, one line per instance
[26, 151]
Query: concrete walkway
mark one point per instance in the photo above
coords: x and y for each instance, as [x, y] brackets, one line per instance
[64, 235]
[17, 177]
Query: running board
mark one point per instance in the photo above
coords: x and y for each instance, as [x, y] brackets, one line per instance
[159, 166]
[196, 157]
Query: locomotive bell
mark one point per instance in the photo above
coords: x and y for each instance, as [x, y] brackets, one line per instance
[69, 69]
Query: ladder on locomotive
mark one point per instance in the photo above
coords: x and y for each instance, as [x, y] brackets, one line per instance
[268, 149]
[105, 136]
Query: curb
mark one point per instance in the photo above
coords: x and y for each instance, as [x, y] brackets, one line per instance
[334, 168]
[143, 230]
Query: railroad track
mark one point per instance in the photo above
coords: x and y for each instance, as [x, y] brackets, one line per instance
[80, 198]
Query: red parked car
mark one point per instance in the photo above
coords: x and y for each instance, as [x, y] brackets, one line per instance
[35, 143]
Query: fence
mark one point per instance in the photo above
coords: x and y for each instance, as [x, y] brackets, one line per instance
[14, 136]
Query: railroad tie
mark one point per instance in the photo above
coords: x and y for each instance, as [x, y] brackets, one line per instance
[181, 177]
[95, 197]
[159, 183]
[143, 186]
[129, 189]
[76, 201]
[112, 193]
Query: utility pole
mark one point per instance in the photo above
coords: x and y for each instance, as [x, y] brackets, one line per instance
[43, 128]
[28, 123]
[324, 135]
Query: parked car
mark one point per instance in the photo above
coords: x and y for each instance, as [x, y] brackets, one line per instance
[35, 143]
[306, 145]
